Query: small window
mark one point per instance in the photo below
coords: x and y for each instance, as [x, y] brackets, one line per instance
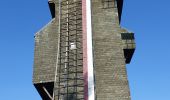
[72, 46]
[127, 36]
[109, 3]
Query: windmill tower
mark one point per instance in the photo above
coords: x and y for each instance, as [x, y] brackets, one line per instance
[82, 52]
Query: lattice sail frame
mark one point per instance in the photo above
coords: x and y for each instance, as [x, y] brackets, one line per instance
[70, 70]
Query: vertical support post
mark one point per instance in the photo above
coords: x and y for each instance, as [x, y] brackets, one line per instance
[88, 72]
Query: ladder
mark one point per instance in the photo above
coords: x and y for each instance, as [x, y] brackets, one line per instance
[70, 60]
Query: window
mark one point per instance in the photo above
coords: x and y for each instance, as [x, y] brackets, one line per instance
[109, 3]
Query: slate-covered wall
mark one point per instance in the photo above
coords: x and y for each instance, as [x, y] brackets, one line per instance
[109, 62]
[45, 53]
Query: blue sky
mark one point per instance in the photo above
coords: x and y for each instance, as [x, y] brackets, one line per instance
[148, 73]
